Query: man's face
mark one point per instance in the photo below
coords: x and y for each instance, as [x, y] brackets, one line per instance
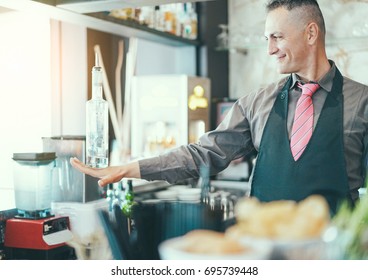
[286, 40]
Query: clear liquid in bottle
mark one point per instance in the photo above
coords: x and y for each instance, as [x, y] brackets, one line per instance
[97, 123]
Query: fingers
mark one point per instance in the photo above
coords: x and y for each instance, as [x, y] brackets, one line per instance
[107, 175]
[94, 172]
[75, 162]
[112, 176]
[102, 183]
[105, 181]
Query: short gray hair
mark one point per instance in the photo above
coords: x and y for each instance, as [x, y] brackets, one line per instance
[310, 8]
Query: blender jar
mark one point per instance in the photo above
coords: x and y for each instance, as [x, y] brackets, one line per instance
[33, 173]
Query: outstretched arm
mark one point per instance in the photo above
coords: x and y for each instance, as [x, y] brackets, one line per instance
[110, 174]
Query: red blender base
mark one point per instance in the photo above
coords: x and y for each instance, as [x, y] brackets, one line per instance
[41, 234]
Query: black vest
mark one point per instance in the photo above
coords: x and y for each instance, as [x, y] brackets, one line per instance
[321, 167]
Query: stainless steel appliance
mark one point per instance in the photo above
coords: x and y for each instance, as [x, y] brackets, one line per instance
[72, 185]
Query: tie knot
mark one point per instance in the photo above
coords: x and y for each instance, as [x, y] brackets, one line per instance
[309, 88]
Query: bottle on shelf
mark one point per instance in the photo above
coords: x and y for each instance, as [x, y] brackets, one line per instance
[186, 23]
[159, 21]
[179, 19]
[193, 22]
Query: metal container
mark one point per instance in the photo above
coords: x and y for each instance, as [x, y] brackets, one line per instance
[73, 186]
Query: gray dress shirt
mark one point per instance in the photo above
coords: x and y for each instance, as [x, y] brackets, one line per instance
[241, 131]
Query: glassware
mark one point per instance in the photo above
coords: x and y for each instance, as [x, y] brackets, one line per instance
[97, 123]
[223, 37]
[33, 174]
[204, 184]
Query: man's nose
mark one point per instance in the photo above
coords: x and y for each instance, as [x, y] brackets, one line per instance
[272, 48]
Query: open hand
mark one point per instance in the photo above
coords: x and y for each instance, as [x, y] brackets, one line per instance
[107, 175]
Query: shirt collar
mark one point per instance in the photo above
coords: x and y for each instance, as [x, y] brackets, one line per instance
[325, 82]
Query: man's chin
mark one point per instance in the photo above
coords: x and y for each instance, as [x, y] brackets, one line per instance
[282, 70]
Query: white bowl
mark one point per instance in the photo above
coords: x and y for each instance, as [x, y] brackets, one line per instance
[166, 194]
[174, 249]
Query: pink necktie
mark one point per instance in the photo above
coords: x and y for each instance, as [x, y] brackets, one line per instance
[303, 120]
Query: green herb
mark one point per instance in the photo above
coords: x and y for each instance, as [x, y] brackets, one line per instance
[354, 223]
[128, 203]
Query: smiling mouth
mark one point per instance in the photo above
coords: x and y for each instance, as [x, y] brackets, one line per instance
[280, 60]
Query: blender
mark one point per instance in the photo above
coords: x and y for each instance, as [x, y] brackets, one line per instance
[35, 233]
[33, 178]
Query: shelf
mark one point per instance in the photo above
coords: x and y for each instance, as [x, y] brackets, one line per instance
[175, 40]
[93, 22]
[88, 6]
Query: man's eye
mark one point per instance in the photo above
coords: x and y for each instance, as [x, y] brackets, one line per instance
[273, 37]
[276, 37]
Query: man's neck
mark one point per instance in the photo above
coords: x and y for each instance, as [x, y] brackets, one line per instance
[315, 71]
[318, 66]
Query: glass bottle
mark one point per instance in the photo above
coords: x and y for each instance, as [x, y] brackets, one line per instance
[223, 37]
[159, 19]
[97, 123]
[193, 21]
[128, 203]
[187, 24]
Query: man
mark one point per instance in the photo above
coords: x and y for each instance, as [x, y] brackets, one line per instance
[331, 160]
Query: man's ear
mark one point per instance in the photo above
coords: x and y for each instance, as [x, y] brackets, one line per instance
[312, 32]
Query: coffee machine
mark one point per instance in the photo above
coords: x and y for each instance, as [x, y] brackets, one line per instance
[34, 232]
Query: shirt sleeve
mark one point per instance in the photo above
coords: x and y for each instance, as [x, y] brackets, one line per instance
[217, 148]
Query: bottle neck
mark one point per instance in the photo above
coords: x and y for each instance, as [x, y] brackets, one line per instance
[97, 82]
[96, 91]
[129, 186]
